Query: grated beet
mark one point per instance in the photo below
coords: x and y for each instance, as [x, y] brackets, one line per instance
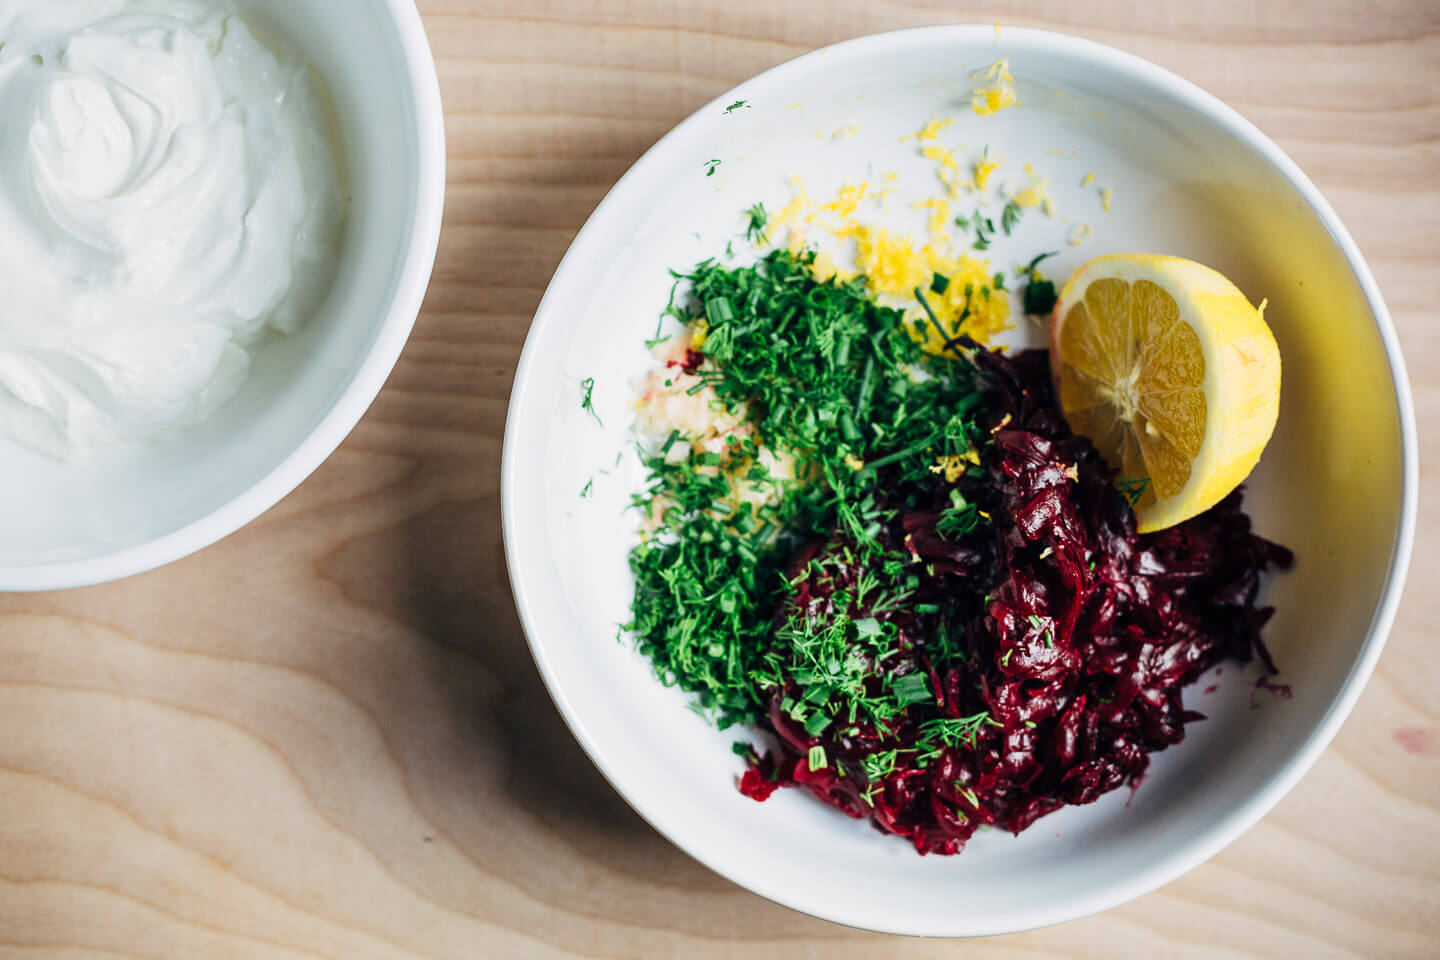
[1076, 634]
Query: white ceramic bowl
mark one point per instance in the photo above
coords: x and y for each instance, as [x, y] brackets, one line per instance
[1192, 178]
[64, 525]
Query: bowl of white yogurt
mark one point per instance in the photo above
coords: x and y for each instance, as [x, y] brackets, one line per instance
[217, 221]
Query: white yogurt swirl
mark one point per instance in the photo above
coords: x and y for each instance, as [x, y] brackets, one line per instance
[168, 189]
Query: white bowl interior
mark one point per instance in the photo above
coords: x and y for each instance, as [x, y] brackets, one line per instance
[1187, 181]
[53, 513]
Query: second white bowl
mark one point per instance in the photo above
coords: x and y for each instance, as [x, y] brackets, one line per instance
[65, 525]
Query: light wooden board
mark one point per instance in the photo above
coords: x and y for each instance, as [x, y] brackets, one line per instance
[324, 737]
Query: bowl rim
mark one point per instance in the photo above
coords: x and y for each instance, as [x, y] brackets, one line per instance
[355, 396]
[1165, 867]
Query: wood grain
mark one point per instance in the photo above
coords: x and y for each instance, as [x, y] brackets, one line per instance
[324, 737]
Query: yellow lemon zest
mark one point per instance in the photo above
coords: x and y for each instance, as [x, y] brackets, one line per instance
[939, 208]
[1036, 193]
[952, 466]
[930, 131]
[985, 167]
[946, 158]
[895, 265]
[999, 93]
[824, 268]
[846, 201]
[887, 259]
[1032, 195]
[796, 211]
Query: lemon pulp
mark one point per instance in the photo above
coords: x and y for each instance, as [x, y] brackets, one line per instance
[1172, 374]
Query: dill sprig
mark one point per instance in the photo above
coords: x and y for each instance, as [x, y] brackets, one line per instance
[756, 219]
[587, 398]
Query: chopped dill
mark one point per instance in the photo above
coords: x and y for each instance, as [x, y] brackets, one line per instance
[587, 398]
[1009, 216]
[756, 220]
[1132, 488]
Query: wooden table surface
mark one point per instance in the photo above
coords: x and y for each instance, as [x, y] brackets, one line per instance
[324, 737]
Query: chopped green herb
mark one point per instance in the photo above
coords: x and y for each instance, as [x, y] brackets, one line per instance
[812, 363]
[1039, 297]
[817, 759]
[1009, 216]
[710, 166]
[737, 105]
[585, 490]
[587, 398]
[1039, 294]
[755, 227]
[817, 724]
[868, 627]
[912, 688]
[960, 519]
[944, 732]
[1029, 268]
[718, 310]
[1132, 488]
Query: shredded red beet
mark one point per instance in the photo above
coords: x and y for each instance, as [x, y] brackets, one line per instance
[1078, 637]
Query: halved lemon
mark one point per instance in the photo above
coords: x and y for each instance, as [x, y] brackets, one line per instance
[1172, 374]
